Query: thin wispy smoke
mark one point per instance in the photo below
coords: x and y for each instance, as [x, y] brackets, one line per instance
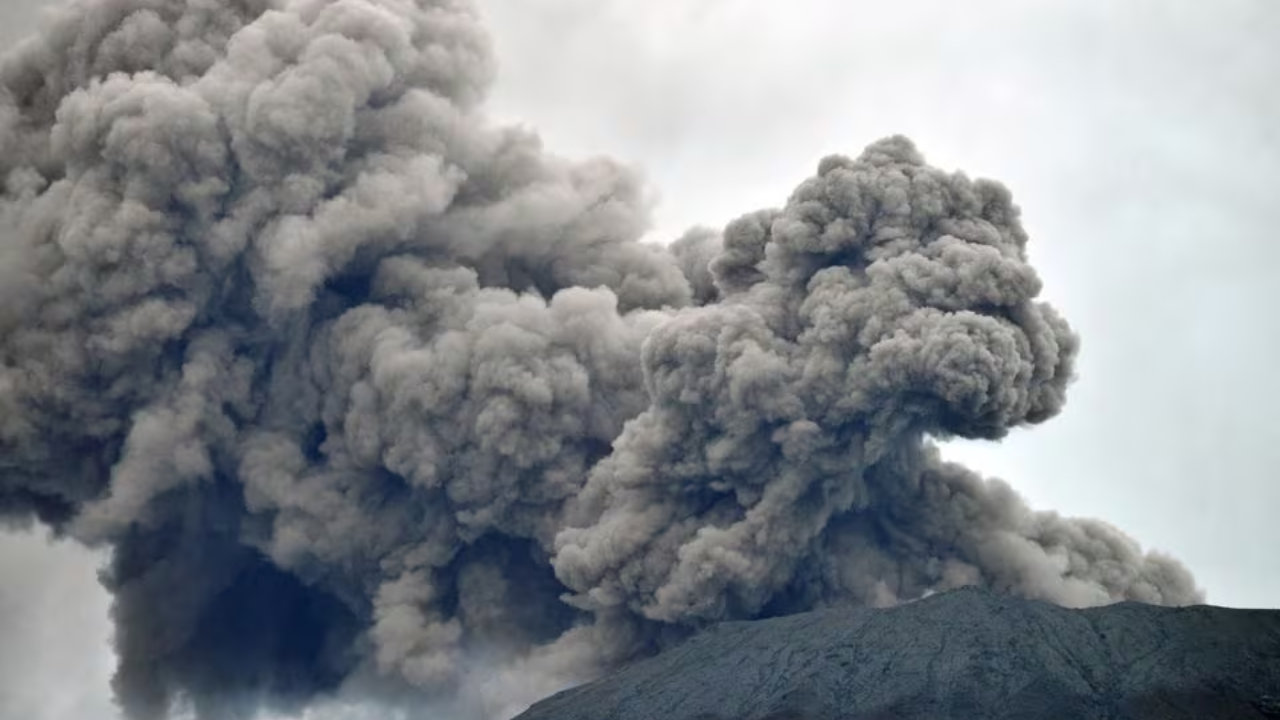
[368, 395]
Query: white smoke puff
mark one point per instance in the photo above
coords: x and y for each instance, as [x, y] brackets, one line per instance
[370, 397]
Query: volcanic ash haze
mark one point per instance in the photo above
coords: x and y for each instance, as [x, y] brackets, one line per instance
[368, 395]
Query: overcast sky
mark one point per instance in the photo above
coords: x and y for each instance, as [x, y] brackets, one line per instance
[1142, 140]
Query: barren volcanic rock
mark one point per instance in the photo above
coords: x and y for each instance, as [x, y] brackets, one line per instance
[962, 654]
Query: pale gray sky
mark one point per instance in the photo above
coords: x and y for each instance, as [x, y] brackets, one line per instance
[1142, 140]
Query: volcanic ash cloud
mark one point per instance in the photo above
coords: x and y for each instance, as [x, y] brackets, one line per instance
[369, 396]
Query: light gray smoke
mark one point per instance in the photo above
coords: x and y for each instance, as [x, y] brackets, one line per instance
[368, 395]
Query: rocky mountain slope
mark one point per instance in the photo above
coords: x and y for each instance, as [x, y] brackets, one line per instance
[963, 654]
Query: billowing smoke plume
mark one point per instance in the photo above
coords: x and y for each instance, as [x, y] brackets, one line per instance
[365, 393]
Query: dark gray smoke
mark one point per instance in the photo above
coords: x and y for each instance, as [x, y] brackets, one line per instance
[367, 395]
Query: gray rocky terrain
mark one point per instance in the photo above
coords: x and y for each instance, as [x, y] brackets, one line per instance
[968, 654]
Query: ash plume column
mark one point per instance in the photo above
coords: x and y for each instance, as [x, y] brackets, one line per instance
[368, 396]
[783, 461]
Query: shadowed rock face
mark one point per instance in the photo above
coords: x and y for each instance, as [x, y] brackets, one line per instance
[962, 654]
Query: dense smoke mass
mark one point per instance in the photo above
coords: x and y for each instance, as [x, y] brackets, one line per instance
[369, 396]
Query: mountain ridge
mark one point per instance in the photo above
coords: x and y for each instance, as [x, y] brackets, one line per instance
[967, 653]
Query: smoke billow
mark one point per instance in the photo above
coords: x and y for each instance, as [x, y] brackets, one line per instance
[367, 395]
